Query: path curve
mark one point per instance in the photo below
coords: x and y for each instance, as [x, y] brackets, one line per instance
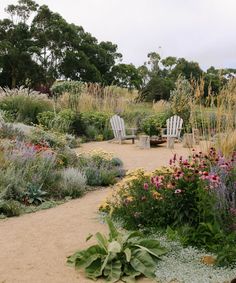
[34, 247]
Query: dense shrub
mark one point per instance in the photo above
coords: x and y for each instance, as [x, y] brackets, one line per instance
[51, 139]
[61, 121]
[10, 132]
[10, 208]
[22, 108]
[59, 88]
[93, 125]
[152, 125]
[100, 168]
[181, 98]
[73, 182]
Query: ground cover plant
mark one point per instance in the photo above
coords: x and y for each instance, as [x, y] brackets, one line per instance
[40, 167]
[193, 198]
[122, 255]
[101, 168]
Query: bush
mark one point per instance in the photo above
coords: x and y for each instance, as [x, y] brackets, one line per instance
[10, 132]
[93, 124]
[51, 139]
[100, 168]
[10, 208]
[152, 125]
[73, 182]
[30, 168]
[61, 122]
[25, 108]
[181, 98]
[74, 87]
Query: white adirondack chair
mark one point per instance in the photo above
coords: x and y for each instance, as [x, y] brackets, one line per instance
[118, 127]
[173, 129]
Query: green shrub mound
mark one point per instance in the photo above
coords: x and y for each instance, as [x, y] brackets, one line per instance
[122, 255]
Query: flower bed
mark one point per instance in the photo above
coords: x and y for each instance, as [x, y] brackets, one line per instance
[195, 198]
[34, 170]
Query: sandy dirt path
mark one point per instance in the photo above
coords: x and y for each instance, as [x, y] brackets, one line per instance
[34, 247]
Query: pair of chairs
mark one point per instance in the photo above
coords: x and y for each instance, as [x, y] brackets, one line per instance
[173, 128]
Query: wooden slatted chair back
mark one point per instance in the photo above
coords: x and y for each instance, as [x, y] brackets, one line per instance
[118, 126]
[174, 126]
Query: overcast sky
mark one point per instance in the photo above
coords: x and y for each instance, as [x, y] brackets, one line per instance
[199, 30]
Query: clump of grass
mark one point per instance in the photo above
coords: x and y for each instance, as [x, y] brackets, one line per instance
[94, 97]
[215, 115]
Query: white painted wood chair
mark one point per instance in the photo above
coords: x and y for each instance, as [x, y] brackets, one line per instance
[173, 130]
[118, 127]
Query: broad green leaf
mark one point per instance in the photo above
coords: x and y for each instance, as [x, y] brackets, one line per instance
[109, 257]
[86, 257]
[113, 271]
[141, 261]
[94, 271]
[127, 252]
[130, 271]
[114, 247]
[102, 241]
[152, 246]
[133, 234]
[128, 279]
[89, 237]
[113, 231]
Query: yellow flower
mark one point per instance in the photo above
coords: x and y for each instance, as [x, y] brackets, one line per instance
[208, 260]
[129, 199]
[157, 195]
[104, 207]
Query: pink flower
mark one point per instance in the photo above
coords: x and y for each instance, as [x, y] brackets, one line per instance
[178, 191]
[145, 186]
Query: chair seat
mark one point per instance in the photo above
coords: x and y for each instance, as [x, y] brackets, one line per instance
[169, 136]
[129, 137]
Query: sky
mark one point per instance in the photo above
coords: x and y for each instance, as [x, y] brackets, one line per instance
[198, 30]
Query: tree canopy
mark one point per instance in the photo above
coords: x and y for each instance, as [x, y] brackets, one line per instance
[38, 46]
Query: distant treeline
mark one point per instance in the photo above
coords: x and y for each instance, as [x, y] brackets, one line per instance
[38, 46]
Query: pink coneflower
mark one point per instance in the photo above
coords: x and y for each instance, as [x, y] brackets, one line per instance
[178, 191]
[145, 186]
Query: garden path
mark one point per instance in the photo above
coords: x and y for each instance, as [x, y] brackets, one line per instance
[34, 247]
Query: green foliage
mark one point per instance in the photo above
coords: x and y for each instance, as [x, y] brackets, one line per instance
[61, 121]
[181, 98]
[93, 124]
[10, 208]
[197, 206]
[52, 139]
[157, 88]
[34, 194]
[24, 108]
[127, 76]
[122, 255]
[152, 125]
[73, 182]
[74, 87]
[10, 132]
[100, 168]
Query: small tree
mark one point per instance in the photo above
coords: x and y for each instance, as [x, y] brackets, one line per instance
[180, 99]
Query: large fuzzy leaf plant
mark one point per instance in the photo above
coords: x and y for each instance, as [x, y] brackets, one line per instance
[121, 256]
